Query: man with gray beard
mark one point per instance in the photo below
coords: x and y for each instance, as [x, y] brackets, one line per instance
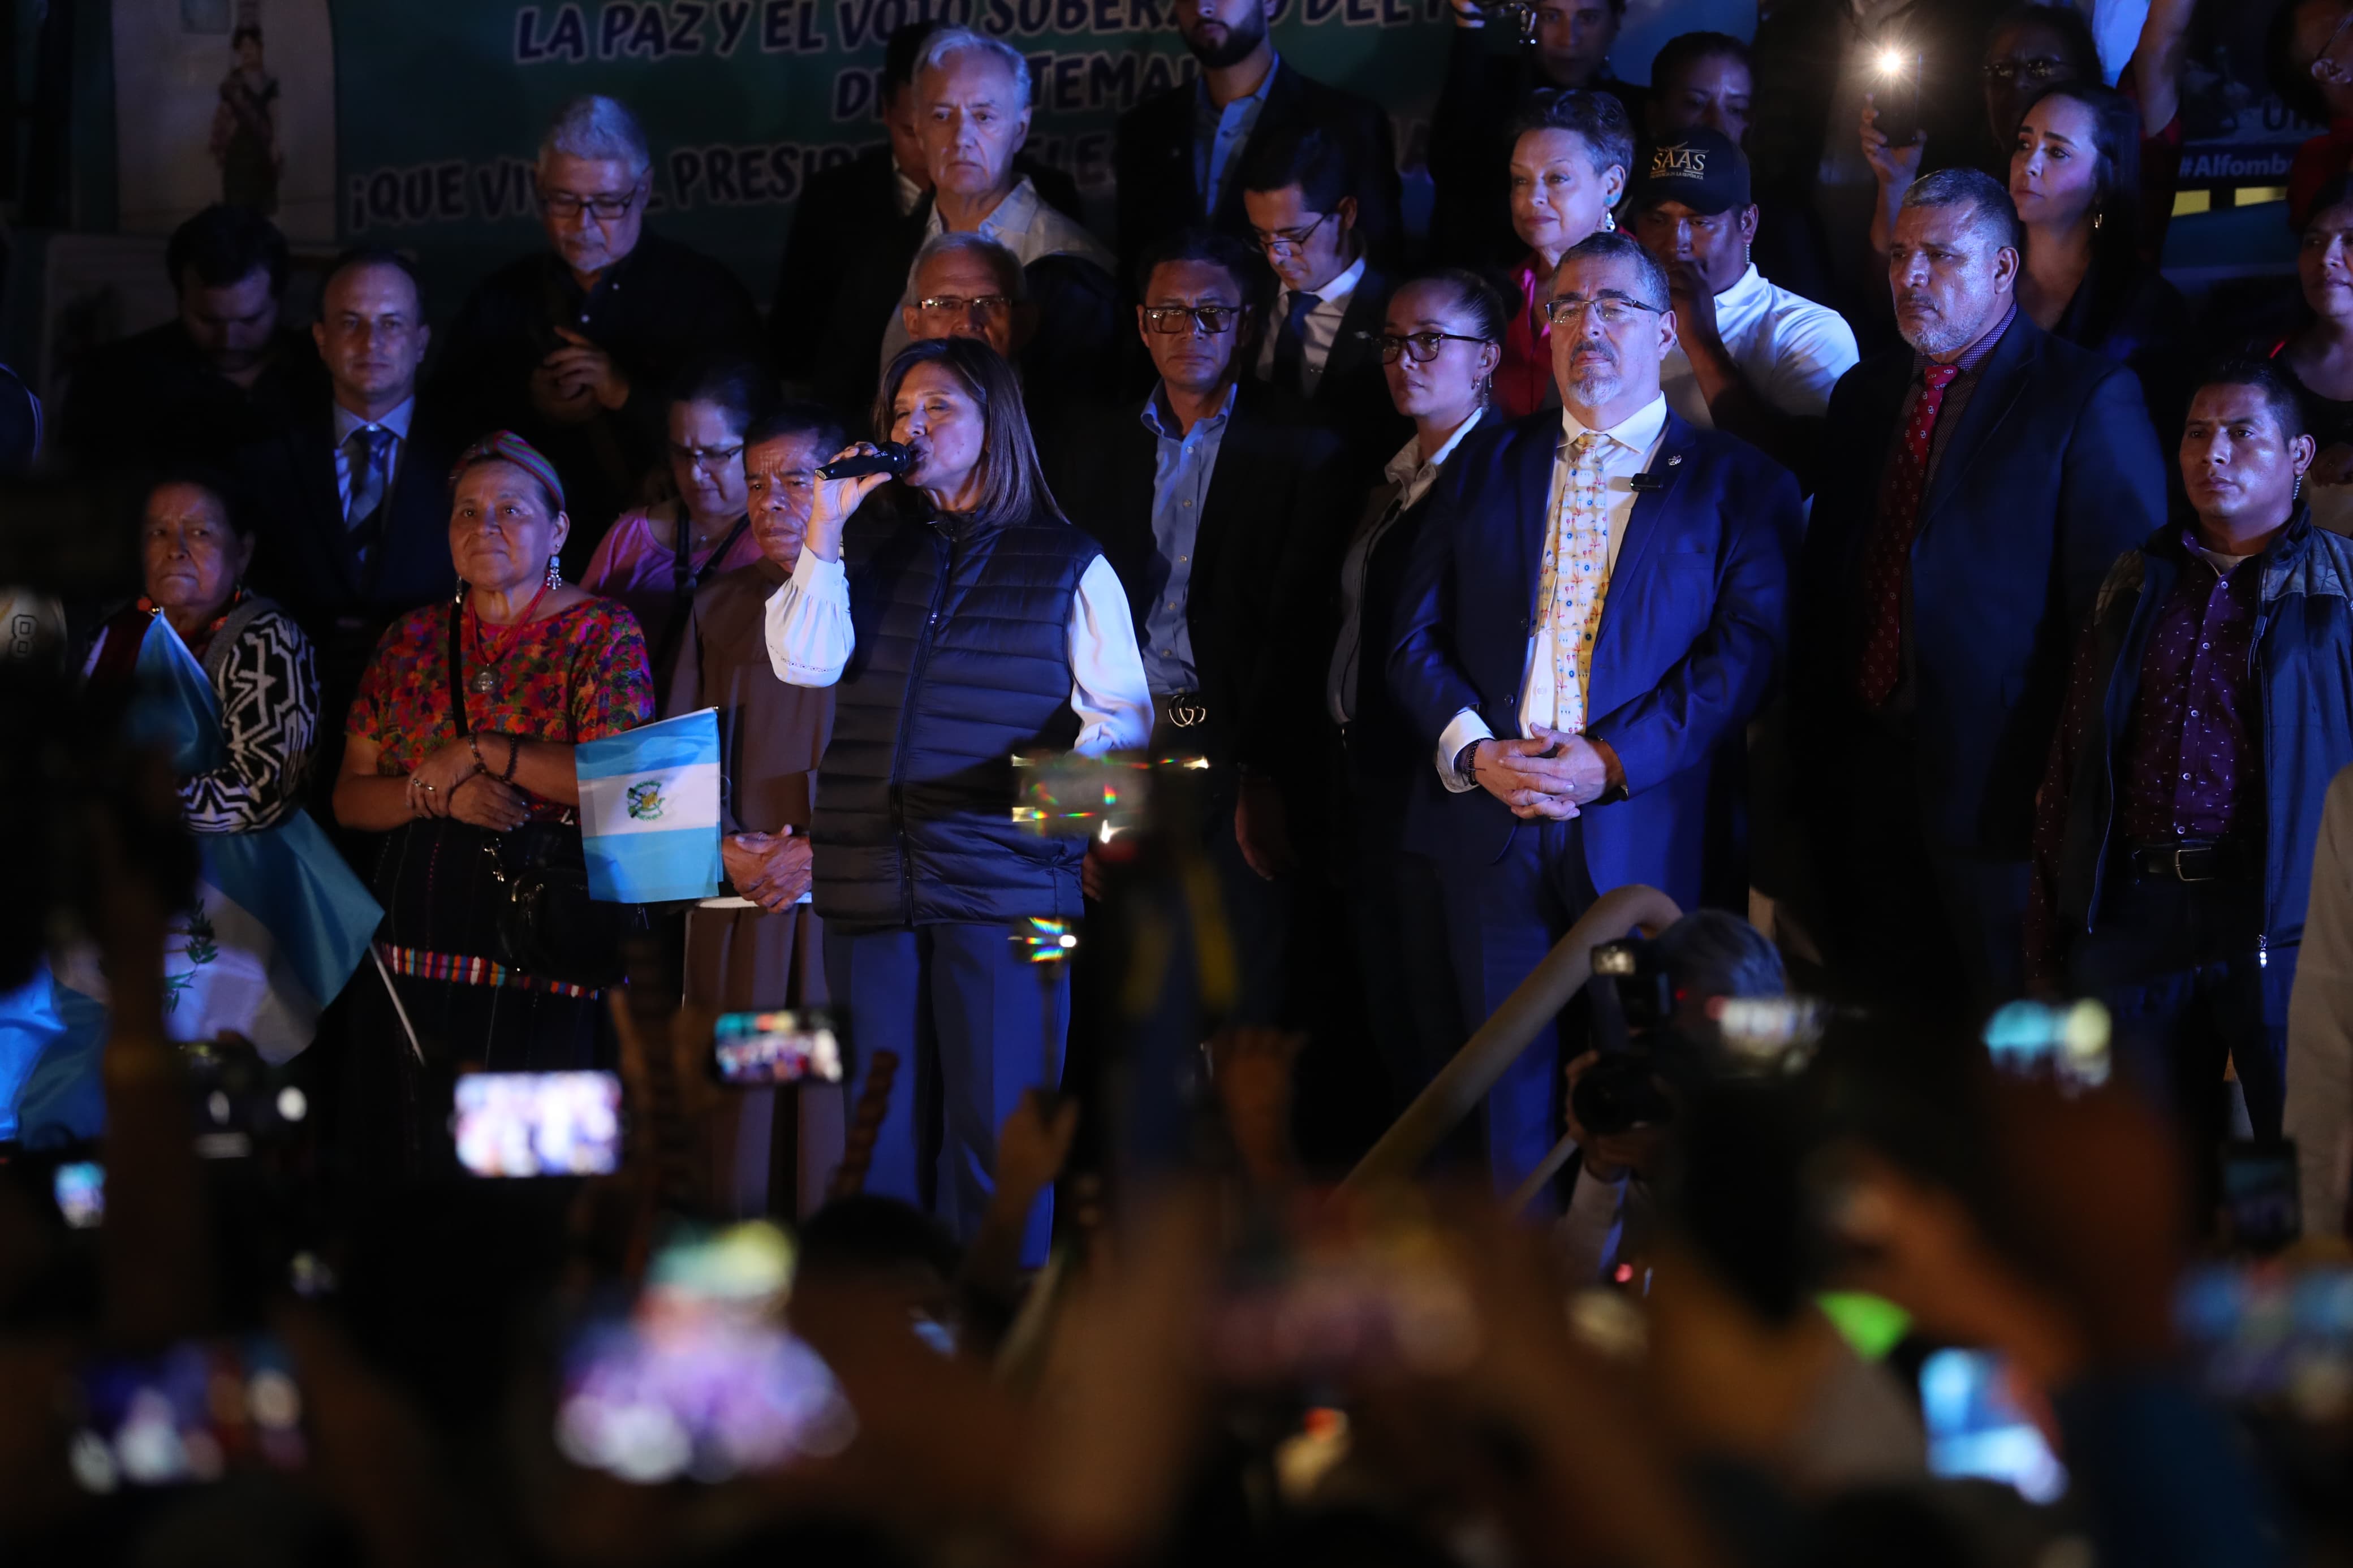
[1591, 616]
[1996, 473]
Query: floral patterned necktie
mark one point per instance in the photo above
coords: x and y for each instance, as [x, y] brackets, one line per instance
[1575, 577]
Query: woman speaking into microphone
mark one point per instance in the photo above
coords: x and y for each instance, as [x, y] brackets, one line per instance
[963, 620]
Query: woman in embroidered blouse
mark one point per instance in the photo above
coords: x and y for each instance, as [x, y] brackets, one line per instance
[1569, 166]
[195, 546]
[654, 560]
[545, 666]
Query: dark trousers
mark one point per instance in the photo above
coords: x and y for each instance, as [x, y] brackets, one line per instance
[1397, 929]
[967, 1018]
[2186, 987]
[1501, 919]
[1908, 923]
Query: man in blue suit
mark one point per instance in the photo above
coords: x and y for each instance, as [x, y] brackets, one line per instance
[1591, 616]
[1993, 474]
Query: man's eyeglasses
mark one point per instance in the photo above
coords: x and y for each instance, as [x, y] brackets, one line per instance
[1423, 346]
[2032, 72]
[983, 305]
[605, 207]
[1288, 240]
[1614, 312]
[710, 459]
[1171, 320]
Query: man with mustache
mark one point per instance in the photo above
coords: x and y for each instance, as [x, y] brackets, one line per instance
[1997, 473]
[1178, 158]
[1591, 616]
[2208, 712]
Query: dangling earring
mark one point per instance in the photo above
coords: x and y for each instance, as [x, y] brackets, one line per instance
[555, 571]
[2098, 219]
[2297, 494]
[1609, 222]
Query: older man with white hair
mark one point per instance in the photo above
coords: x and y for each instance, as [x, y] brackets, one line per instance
[572, 345]
[972, 114]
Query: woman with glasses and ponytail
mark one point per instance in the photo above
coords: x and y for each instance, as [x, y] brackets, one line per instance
[1440, 347]
[960, 620]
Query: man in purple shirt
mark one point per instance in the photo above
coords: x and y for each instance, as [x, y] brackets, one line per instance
[2210, 703]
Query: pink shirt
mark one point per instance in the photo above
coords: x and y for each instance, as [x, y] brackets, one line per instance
[635, 565]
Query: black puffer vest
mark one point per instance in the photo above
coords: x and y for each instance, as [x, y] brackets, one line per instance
[963, 659]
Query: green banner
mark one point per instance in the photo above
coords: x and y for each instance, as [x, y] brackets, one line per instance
[440, 106]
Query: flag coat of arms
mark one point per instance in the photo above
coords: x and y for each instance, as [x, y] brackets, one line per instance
[277, 923]
[650, 810]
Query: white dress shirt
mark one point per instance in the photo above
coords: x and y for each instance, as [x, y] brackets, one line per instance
[396, 422]
[1633, 442]
[810, 640]
[1322, 327]
[1024, 223]
[1791, 350]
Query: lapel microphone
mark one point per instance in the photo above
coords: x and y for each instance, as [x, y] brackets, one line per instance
[1646, 482]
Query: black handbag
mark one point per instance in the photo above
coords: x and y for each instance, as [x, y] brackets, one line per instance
[547, 924]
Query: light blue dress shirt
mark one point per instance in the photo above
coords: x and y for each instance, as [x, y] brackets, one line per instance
[396, 422]
[1182, 468]
[1220, 135]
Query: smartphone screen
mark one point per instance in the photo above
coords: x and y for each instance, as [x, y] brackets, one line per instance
[80, 1188]
[2260, 1208]
[1896, 93]
[188, 1415]
[785, 1046]
[2063, 1044]
[2271, 1336]
[700, 1381]
[1976, 1429]
[538, 1123]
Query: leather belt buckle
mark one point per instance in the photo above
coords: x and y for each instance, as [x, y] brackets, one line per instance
[2181, 866]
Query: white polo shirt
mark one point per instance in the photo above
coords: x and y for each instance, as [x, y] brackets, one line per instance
[1792, 349]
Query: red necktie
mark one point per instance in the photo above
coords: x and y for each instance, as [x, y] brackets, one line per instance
[1890, 551]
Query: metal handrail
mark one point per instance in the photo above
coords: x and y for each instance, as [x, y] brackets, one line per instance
[1465, 1081]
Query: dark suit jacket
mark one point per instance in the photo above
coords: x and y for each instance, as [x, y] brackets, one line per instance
[2052, 473]
[1153, 162]
[154, 398]
[1270, 502]
[1692, 630]
[1352, 397]
[303, 556]
[845, 269]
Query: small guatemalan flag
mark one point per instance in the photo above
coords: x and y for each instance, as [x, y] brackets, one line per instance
[650, 810]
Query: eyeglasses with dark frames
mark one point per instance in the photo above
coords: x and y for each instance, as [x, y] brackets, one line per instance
[1171, 320]
[1423, 346]
[2034, 72]
[1288, 240]
[1613, 310]
[955, 305]
[604, 207]
[710, 459]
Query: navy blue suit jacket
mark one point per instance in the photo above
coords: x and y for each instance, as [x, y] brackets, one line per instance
[1692, 628]
[2053, 472]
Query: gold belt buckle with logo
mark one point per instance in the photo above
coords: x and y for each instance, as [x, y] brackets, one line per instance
[1185, 712]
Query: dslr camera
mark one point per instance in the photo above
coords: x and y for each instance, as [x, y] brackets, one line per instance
[1633, 1004]
[1519, 15]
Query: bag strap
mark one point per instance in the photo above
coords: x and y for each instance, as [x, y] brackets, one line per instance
[686, 582]
[458, 666]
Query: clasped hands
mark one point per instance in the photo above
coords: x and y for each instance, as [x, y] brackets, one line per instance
[450, 783]
[1546, 776]
[772, 870]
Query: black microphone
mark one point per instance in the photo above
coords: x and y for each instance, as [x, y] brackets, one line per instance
[1637, 483]
[890, 458]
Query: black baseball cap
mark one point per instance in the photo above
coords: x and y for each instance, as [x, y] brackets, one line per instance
[1702, 168]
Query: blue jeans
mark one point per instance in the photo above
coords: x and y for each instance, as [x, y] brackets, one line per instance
[1502, 919]
[968, 1019]
[2176, 962]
